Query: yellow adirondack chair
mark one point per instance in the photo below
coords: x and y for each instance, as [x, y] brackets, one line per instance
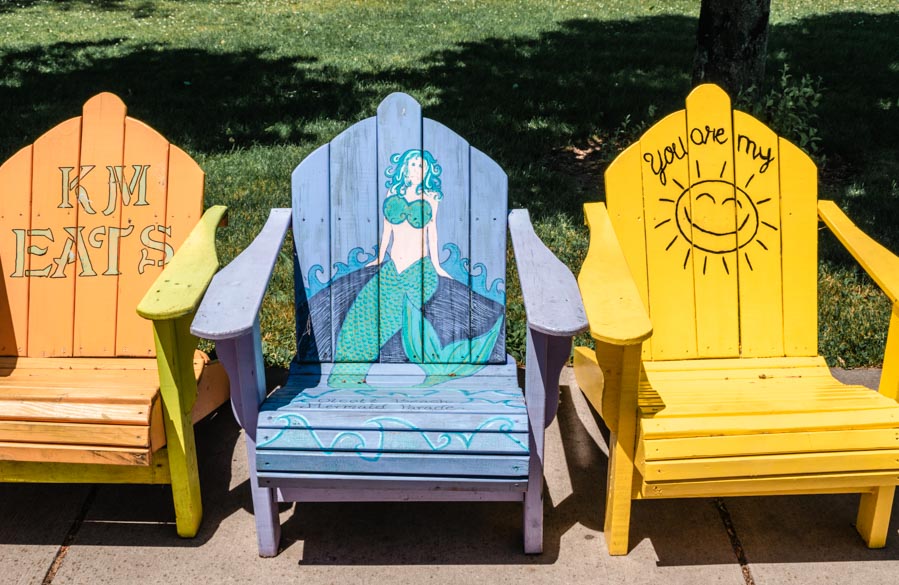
[700, 288]
[89, 215]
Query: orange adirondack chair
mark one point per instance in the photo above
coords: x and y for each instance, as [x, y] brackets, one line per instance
[89, 216]
[700, 288]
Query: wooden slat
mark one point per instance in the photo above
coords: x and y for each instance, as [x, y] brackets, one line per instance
[47, 472]
[52, 453]
[459, 420]
[450, 226]
[799, 194]
[757, 174]
[374, 494]
[670, 258]
[623, 178]
[15, 221]
[761, 444]
[489, 204]
[507, 369]
[96, 291]
[89, 412]
[399, 132]
[367, 441]
[394, 463]
[184, 198]
[311, 197]
[403, 485]
[51, 299]
[38, 363]
[354, 183]
[74, 434]
[760, 364]
[714, 218]
[791, 463]
[143, 253]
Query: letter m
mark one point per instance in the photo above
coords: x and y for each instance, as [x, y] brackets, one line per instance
[118, 181]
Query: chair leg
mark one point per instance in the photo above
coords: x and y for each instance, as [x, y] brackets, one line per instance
[874, 515]
[618, 498]
[182, 453]
[533, 505]
[265, 509]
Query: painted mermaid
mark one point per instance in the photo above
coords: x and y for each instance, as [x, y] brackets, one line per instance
[408, 276]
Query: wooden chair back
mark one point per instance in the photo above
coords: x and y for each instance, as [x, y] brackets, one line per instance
[89, 215]
[360, 194]
[717, 218]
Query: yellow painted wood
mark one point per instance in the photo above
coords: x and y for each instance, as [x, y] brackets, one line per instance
[713, 215]
[757, 181]
[15, 214]
[881, 264]
[669, 253]
[180, 287]
[873, 520]
[613, 305]
[58, 453]
[624, 186]
[51, 293]
[43, 472]
[794, 484]
[799, 188]
[102, 142]
[622, 446]
[889, 375]
[762, 365]
[591, 381]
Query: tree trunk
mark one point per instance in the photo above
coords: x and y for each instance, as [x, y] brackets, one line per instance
[732, 43]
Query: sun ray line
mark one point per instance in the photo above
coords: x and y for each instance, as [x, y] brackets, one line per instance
[762, 244]
[671, 243]
[665, 200]
[698, 174]
[705, 262]
[724, 261]
[749, 180]
[724, 166]
[687, 258]
[763, 201]
[661, 223]
[769, 225]
[746, 255]
[676, 182]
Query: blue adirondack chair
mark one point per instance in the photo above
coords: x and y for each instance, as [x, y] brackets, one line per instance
[401, 388]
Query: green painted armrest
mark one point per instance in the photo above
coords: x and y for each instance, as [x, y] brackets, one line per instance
[881, 264]
[611, 299]
[178, 290]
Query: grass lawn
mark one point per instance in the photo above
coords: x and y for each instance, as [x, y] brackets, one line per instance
[551, 90]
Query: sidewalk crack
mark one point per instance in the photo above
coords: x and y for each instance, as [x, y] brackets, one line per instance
[734, 541]
[70, 537]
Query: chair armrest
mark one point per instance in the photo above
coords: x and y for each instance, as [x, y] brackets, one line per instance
[552, 302]
[611, 299]
[232, 302]
[178, 289]
[881, 264]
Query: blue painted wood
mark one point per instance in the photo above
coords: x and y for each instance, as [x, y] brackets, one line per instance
[354, 230]
[311, 195]
[385, 484]
[393, 463]
[373, 494]
[549, 290]
[507, 369]
[399, 131]
[450, 232]
[360, 419]
[489, 202]
[403, 440]
[232, 301]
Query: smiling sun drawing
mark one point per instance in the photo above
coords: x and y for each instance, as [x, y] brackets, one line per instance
[715, 217]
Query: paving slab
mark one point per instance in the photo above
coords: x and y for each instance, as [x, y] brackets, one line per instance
[128, 535]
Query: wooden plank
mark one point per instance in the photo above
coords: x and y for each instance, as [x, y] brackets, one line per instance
[830, 483]
[54, 453]
[184, 196]
[354, 224]
[143, 183]
[88, 412]
[799, 194]
[393, 441]
[62, 390]
[761, 364]
[51, 299]
[299, 383]
[623, 178]
[477, 398]
[406, 484]
[716, 221]
[96, 291]
[769, 465]
[757, 174]
[489, 205]
[450, 228]
[46, 472]
[457, 421]
[377, 495]
[507, 369]
[761, 444]
[15, 223]
[882, 418]
[402, 170]
[311, 197]
[669, 250]
[38, 363]
[393, 463]
[74, 434]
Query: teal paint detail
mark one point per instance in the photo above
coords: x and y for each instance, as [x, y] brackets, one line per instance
[355, 442]
[397, 210]
[398, 180]
[460, 269]
[413, 392]
[356, 259]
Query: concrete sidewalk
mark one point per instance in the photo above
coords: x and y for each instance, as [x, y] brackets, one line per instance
[125, 534]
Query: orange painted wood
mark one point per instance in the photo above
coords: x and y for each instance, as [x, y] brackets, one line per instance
[185, 198]
[15, 221]
[143, 253]
[102, 142]
[54, 453]
[75, 434]
[51, 297]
